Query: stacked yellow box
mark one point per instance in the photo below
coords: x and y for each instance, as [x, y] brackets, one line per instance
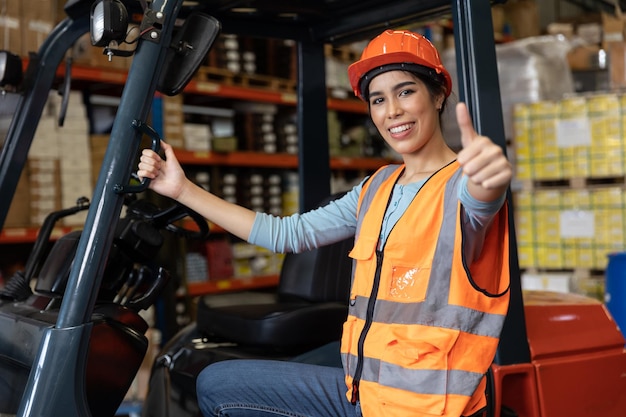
[569, 228]
[610, 208]
[576, 228]
[525, 228]
[543, 140]
[576, 146]
[546, 220]
[574, 137]
[606, 140]
[522, 146]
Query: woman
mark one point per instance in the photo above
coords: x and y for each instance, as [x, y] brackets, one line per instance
[430, 284]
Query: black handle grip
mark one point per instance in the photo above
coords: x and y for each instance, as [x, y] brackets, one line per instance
[156, 147]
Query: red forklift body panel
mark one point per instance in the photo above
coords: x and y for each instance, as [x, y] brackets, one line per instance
[578, 355]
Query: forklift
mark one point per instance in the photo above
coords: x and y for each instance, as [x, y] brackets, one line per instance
[559, 354]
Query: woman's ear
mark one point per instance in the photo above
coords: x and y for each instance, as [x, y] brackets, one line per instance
[441, 98]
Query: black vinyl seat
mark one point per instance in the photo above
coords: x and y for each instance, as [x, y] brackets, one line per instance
[308, 308]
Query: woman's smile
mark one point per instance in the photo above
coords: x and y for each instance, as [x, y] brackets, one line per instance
[396, 130]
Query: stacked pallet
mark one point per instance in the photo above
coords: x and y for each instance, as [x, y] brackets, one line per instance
[570, 165]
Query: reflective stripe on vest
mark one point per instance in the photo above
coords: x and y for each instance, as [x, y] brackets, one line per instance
[449, 383]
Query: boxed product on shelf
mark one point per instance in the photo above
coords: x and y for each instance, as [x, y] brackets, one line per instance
[255, 129]
[11, 26]
[261, 127]
[37, 23]
[19, 211]
[219, 257]
[547, 281]
[45, 188]
[291, 191]
[173, 120]
[251, 260]
[286, 128]
[224, 143]
[570, 228]
[614, 47]
[197, 137]
[225, 53]
[251, 191]
[36, 20]
[576, 137]
[337, 77]
[254, 56]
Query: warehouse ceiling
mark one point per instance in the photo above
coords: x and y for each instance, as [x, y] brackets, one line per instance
[329, 21]
[332, 21]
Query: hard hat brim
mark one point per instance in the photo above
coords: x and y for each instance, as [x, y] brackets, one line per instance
[359, 69]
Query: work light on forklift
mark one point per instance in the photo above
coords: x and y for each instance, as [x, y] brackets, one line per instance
[109, 22]
[10, 69]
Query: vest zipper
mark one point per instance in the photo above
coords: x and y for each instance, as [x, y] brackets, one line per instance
[368, 323]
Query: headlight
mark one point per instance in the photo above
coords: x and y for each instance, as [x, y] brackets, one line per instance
[109, 22]
[10, 69]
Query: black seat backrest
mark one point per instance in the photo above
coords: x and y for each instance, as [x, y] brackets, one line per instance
[318, 275]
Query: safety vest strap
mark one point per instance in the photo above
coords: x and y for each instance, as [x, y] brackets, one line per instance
[422, 381]
[449, 316]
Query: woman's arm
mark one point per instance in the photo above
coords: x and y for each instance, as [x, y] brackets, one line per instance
[300, 232]
[296, 233]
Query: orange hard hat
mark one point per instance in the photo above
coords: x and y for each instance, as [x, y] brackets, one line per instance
[397, 49]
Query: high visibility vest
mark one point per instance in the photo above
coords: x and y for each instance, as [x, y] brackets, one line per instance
[423, 325]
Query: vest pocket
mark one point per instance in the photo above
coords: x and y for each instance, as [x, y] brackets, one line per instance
[416, 362]
[363, 252]
[408, 282]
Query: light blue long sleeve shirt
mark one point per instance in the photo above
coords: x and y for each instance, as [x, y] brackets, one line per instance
[337, 221]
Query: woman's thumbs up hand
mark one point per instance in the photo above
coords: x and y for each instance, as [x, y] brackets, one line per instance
[487, 168]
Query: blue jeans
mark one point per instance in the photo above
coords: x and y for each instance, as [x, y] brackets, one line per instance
[264, 388]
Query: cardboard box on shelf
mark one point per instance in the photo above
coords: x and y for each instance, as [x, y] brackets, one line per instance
[612, 27]
[38, 19]
[11, 26]
[547, 281]
[617, 64]
[584, 57]
[19, 211]
[219, 259]
[45, 188]
[522, 16]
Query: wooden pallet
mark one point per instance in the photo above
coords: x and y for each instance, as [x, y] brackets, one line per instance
[573, 183]
[343, 53]
[227, 77]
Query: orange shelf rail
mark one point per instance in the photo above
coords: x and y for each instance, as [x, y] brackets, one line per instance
[242, 159]
[232, 284]
[265, 95]
[278, 160]
[29, 234]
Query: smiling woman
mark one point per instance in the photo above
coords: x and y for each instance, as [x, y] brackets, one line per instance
[451, 205]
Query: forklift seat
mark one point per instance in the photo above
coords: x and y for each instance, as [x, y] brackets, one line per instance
[307, 310]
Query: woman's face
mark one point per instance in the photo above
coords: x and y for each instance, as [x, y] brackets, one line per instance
[404, 111]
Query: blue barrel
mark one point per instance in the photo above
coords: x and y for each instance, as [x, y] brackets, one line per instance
[615, 290]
